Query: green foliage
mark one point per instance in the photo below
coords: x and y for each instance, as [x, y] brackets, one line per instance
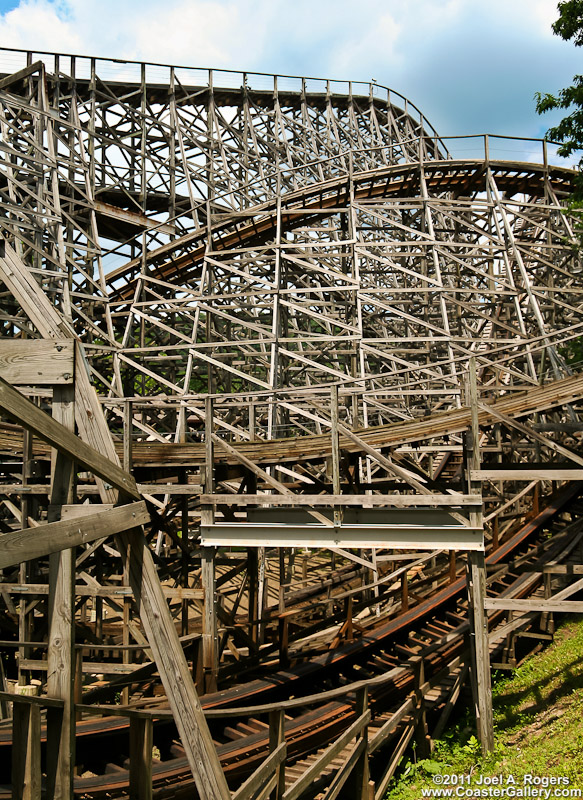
[538, 717]
[570, 22]
[572, 351]
[569, 131]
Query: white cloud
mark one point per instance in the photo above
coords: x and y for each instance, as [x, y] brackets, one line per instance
[41, 25]
[383, 37]
[470, 65]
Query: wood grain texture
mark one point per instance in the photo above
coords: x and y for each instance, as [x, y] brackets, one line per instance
[37, 362]
[19, 408]
[38, 542]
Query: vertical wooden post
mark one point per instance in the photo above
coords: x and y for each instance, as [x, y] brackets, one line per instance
[404, 592]
[547, 620]
[127, 435]
[422, 738]
[61, 658]
[3, 703]
[476, 576]
[210, 649]
[480, 652]
[253, 612]
[281, 592]
[283, 635]
[349, 624]
[26, 766]
[141, 731]
[24, 618]
[357, 785]
[184, 561]
[335, 452]
[495, 534]
[535, 499]
[252, 576]
[276, 737]
[261, 593]
[126, 653]
[209, 627]
[452, 566]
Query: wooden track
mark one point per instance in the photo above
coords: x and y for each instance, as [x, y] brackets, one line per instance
[392, 182]
[305, 448]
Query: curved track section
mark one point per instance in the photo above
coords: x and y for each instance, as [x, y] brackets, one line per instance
[295, 274]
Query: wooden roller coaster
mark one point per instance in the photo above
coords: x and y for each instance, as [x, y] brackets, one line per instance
[291, 401]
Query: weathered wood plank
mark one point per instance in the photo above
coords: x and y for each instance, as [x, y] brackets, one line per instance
[45, 539]
[23, 73]
[550, 474]
[37, 362]
[32, 589]
[61, 614]
[534, 604]
[34, 302]
[20, 409]
[26, 752]
[396, 501]
[172, 666]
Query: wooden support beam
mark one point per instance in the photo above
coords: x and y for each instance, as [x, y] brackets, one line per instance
[37, 362]
[55, 536]
[26, 752]
[476, 583]
[388, 500]
[276, 740]
[357, 786]
[133, 218]
[315, 769]
[260, 473]
[422, 737]
[23, 73]
[210, 651]
[32, 589]
[61, 611]
[451, 701]
[141, 740]
[172, 666]
[528, 474]
[25, 288]
[22, 411]
[531, 433]
[534, 604]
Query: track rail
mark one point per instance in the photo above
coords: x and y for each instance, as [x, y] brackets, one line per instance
[435, 628]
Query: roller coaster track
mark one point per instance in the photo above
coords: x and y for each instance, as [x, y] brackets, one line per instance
[452, 177]
[435, 628]
[292, 285]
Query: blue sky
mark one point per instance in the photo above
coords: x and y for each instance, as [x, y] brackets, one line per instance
[472, 66]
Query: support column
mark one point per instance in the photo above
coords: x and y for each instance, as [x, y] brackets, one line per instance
[209, 627]
[25, 618]
[210, 651]
[476, 580]
[61, 658]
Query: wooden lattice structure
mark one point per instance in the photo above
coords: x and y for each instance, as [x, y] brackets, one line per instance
[271, 300]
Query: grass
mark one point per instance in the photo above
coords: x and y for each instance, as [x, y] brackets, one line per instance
[538, 719]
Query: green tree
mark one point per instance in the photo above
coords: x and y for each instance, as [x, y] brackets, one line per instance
[569, 131]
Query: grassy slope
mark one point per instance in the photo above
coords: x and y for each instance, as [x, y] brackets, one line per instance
[538, 716]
